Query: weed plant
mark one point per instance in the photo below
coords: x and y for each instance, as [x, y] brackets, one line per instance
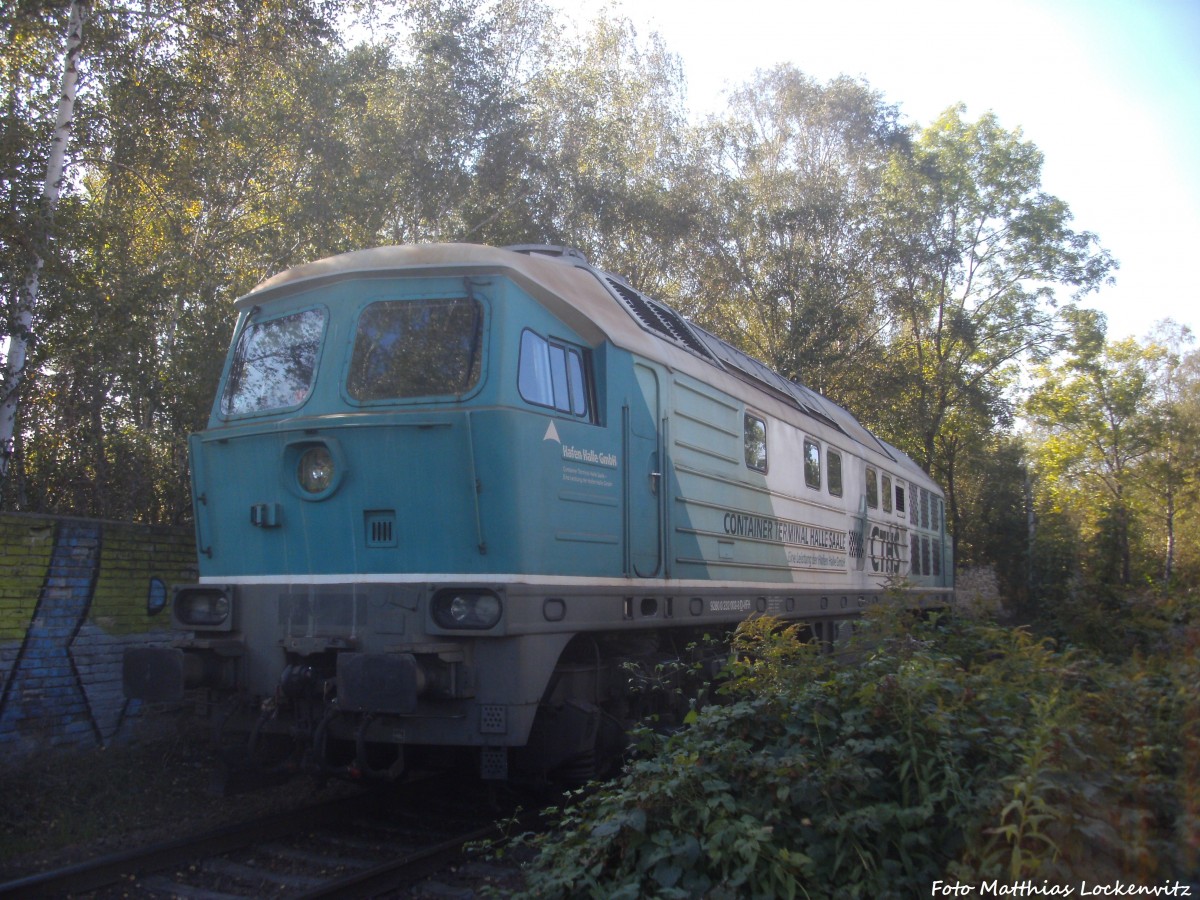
[929, 748]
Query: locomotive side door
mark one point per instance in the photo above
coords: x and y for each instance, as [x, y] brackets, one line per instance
[645, 486]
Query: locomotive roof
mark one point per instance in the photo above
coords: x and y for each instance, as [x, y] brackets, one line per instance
[598, 306]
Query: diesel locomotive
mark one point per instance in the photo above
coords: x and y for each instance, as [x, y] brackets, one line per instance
[456, 498]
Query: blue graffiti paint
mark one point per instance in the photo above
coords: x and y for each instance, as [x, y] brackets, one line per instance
[156, 597]
[44, 681]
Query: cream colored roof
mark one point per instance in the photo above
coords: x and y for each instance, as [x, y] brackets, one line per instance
[590, 311]
[577, 294]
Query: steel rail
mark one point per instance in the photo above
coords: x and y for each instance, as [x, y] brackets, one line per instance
[106, 870]
[401, 872]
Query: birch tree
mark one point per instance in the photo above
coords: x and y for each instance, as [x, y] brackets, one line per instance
[608, 124]
[23, 321]
[797, 169]
[200, 133]
[1170, 472]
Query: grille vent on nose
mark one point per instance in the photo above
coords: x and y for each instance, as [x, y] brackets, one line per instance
[381, 528]
[493, 719]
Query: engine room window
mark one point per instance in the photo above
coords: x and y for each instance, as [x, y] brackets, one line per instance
[924, 508]
[274, 363]
[812, 464]
[416, 348]
[756, 443]
[899, 498]
[554, 375]
[833, 469]
[872, 488]
[886, 491]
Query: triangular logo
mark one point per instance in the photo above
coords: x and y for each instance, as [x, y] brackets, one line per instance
[552, 433]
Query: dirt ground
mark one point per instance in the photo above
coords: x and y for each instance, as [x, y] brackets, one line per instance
[67, 806]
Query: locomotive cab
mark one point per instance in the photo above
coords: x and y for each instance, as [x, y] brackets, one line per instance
[369, 494]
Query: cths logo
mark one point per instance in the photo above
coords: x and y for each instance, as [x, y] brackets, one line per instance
[884, 545]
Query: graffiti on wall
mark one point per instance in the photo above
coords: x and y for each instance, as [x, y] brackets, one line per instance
[79, 593]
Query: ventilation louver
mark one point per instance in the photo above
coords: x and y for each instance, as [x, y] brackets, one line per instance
[659, 318]
[380, 528]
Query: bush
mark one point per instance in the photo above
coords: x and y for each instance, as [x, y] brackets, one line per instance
[927, 749]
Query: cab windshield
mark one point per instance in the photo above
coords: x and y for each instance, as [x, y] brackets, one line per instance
[274, 364]
[416, 348]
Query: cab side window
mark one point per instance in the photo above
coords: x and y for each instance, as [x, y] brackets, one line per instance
[812, 464]
[872, 488]
[756, 442]
[555, 375]
[833, 469]
[887, 493]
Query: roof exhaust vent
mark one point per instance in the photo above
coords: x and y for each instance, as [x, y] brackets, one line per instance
[554, 250]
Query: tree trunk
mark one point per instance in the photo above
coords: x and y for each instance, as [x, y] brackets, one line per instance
[18, 344]
[1169, 563]
[1123, 543]
[1031, 582]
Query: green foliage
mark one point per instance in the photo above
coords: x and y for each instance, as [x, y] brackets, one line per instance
[1114, 444]
[787, 261]
[611, 173]
[925, 749]
[990, 494]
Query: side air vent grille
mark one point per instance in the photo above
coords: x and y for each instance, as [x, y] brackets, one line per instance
[658, 318]
[381, 528]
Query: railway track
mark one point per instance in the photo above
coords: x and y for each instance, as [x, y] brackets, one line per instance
[361, 846]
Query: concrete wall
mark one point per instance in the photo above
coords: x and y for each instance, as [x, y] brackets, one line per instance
[74, 593]
[977, 591]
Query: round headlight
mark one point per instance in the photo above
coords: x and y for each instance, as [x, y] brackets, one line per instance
[466, 609]
[315, 471]
[201, 607]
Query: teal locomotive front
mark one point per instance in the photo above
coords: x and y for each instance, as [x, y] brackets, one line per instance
[456, 496]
